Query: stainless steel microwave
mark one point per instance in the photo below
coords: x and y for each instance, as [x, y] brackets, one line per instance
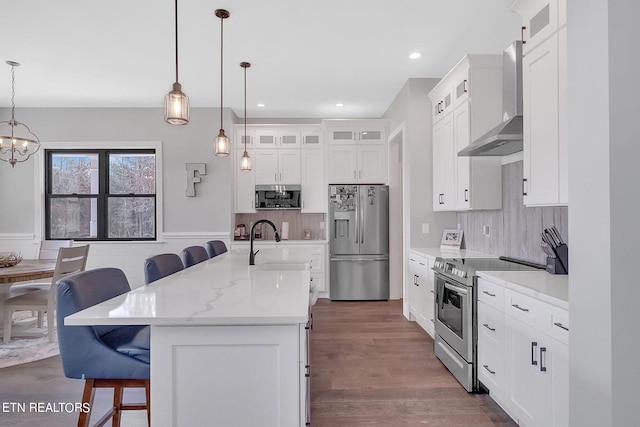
[270, 197]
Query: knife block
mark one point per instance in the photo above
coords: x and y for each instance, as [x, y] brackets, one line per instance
[560, 263]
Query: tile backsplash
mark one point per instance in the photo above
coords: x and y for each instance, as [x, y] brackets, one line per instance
[298, 222]
[514, 231]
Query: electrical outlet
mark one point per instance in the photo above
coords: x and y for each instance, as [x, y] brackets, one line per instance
[486, 230]
[425, 228]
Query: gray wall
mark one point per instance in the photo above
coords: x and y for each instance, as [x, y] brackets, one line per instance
[515, 229]
[412, 107]
[210, 210]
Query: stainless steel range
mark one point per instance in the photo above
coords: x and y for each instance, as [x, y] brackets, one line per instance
[455, 312]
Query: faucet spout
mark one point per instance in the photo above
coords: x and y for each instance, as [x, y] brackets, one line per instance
[252, 255]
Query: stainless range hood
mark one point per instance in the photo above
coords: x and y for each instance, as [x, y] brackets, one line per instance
[506, 138]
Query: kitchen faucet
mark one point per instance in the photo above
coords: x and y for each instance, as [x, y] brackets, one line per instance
[252, 255]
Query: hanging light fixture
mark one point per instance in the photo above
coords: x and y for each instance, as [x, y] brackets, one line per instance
[176, 103]
[16, 145]
[245, 160]
[221, 141]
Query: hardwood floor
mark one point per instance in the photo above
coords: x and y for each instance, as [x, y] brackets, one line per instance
[372, 367]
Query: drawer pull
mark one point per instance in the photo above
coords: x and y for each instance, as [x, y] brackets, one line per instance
[533, 353]
[489, 327]
[488, 293]
[560, 325]
[543, 352]
[487, 368]
[519, 308]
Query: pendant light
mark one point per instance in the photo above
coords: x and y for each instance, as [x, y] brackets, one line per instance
[221, 141]
[176, 103]
[245, 160]
[16, 145]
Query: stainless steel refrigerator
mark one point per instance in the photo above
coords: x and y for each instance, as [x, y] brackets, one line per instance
[359, 242]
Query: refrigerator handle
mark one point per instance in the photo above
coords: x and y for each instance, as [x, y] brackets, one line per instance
[361, 211]
[357, 227]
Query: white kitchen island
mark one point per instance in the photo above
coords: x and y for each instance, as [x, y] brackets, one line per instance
[229, 341]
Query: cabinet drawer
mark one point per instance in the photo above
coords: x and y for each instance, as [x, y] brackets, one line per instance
[491, 371]
[490, 327]
[523, 308]
[555, 323]
[491, 294]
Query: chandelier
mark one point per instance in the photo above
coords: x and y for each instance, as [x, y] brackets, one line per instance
[17, 142]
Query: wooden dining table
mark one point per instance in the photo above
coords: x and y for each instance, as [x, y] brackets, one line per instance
[28, 269]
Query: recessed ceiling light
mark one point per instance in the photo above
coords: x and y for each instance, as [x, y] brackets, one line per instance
[415, 55]
[339, 104]
[261, 105]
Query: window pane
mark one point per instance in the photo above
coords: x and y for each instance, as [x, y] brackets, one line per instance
[72, 217]
[132, 173]
[74, 173]
[132, 217]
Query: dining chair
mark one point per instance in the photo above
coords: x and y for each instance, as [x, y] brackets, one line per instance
[104, 356]
[70, 260]
[48, 249]
[193, 255]
[215, 248]
[161, 265]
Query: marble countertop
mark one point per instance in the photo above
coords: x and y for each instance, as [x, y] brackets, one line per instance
[224, 290]
[451, 253]
[550, 288]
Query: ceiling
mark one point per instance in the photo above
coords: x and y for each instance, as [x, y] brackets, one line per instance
[306, 55]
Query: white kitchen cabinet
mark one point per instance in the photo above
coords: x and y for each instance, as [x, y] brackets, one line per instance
[544, 71]
[245, 183]
[277, 137]
[421, 296]
[277, 166]
[357, 151]
[373, 134]
[314, 181]
[352, 164]
[464, 183]
[537, 374]
[240, 138]
[312, 137]
[444, 166]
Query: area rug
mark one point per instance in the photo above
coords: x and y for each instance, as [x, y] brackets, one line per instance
[23, 350]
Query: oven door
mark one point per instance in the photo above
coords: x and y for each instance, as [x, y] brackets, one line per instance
[453, 317]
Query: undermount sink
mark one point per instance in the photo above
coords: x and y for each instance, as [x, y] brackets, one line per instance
[297, 266]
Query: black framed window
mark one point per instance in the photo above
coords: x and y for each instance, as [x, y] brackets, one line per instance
[100, 194]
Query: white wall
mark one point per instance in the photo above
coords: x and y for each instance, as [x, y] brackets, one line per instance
[603, 67]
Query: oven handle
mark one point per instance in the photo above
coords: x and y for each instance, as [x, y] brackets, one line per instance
[457, 289]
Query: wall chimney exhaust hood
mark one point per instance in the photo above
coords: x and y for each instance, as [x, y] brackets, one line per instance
[506, 138]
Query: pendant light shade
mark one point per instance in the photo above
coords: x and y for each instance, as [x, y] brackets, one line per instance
[17, 142]
[176, 103]
[245, 160]
[222, 141]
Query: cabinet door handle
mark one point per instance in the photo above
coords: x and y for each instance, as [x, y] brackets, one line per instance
[360, 174]
[524, 183]
[487, 368]
[543, 358]
[533, 353]
[354, 174]
[465, 85]
[489, 327]
[519, 308]
[560, 325]
[466, 191]
[275, 176]
[522, 30]
[489, 293]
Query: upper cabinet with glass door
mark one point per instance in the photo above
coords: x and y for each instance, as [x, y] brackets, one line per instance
[540, 20]
[277, 137]
[368, 134]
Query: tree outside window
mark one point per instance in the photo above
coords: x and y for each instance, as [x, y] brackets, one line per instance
[101, 194]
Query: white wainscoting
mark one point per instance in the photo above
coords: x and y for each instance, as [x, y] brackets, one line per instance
[128, 256]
